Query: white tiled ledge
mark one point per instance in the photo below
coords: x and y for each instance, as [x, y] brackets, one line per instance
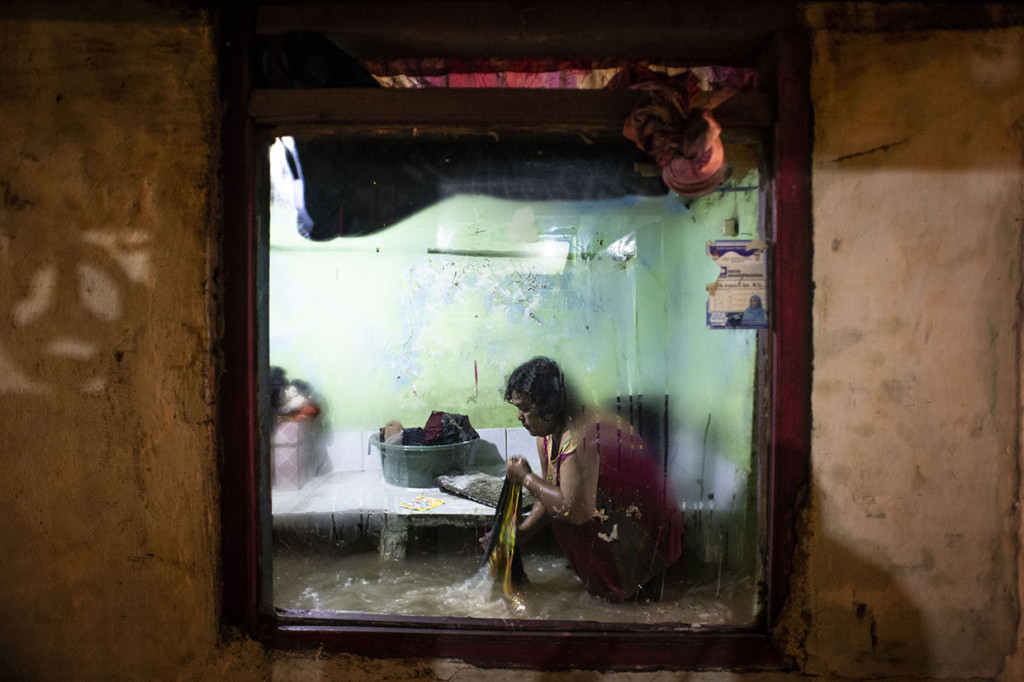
[367, 491]
[360, 505]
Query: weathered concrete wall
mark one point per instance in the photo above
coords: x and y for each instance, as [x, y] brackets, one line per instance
[917, 212]
[108, 493]
[108, 223]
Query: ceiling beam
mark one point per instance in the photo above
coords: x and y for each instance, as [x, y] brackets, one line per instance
[693, 33]
[490, 108]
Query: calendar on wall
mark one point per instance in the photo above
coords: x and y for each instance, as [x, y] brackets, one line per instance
[738, 298]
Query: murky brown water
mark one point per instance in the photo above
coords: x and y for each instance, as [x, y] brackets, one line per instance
[453, 584]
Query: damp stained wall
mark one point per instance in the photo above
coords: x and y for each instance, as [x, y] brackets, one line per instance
[384, 329]
[108, 228]
[917, 211]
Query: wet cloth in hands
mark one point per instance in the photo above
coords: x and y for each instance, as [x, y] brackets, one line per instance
[503, 562]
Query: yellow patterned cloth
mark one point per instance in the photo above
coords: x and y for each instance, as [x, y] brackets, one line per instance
[504, 541]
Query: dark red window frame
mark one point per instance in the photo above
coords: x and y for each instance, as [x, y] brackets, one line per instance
[783, 62]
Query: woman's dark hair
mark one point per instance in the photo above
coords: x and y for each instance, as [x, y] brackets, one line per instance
[541, 380]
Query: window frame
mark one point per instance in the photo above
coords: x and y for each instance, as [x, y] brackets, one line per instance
[249, 116]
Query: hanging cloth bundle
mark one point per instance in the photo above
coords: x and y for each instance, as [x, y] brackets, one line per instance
[672, 122]
[500, 555]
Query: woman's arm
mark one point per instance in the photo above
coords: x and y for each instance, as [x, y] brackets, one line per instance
[575, 497]
[537, 518]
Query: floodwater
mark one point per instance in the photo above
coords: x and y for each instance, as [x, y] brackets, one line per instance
[453, 584]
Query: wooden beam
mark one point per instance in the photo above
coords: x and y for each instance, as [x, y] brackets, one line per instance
[695, 33]
[792, 301]
[241, 548]
[497, 108]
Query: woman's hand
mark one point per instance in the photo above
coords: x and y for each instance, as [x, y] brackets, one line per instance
[517, 469]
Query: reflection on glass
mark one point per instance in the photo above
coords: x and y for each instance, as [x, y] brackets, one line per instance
[428, 305]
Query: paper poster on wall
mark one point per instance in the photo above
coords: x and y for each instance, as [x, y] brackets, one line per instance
[737, 300]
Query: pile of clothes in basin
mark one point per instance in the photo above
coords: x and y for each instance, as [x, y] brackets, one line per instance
[442, 428]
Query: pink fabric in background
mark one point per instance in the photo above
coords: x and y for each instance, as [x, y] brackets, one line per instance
[684, 140]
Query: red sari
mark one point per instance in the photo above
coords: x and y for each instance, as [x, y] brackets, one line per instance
[636, 530]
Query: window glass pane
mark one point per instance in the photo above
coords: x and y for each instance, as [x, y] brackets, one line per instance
[451, 261]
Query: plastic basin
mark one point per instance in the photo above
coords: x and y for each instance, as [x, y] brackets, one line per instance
[416, 466]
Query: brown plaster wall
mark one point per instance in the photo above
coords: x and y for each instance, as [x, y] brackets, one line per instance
[917, 212]
[108, 228]
[108, 495]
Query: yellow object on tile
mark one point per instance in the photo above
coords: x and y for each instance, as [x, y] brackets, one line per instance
[422, 503]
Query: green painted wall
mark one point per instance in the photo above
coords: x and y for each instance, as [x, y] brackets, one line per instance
[385, 330]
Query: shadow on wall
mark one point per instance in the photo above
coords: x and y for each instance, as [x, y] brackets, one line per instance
[66, 312]
[484, 456]
[858, 621]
